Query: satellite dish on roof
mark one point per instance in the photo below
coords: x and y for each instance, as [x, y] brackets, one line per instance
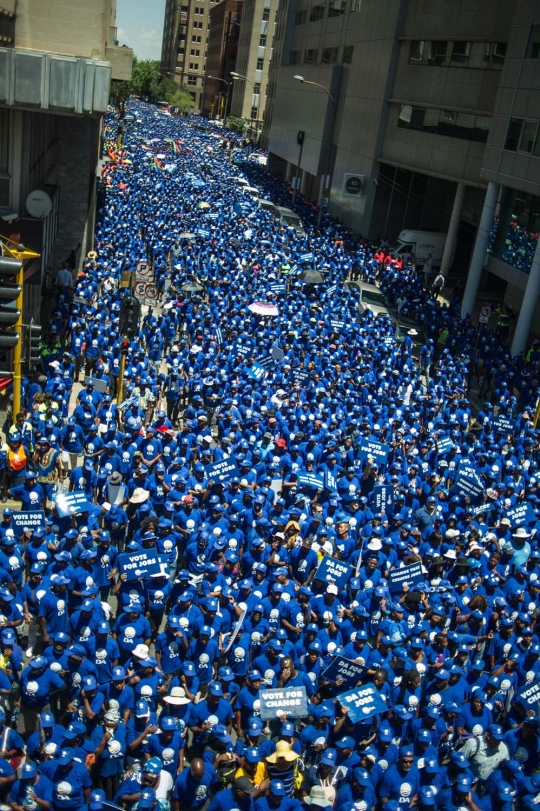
[38, 204]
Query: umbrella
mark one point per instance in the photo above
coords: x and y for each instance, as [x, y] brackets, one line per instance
[312, 277]
[203, 205]
[191, 287]
[262, 308]
[187, 235]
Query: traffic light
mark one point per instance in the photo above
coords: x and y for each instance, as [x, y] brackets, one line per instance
[33, 340]
[130, 315]
[9, 293]
[124, 347]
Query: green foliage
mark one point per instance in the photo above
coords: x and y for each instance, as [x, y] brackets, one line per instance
[237, 124]
[148, 83]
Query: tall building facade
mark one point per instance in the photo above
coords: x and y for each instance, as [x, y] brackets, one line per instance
[223, 35]
[433, 109]
[185, 38]
[253, 61]
[57, 60]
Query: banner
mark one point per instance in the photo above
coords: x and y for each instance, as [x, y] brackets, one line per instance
[290, 701]
[267, 363]
[383, 497]
[368, 447]
[72, 503]
[363, 703]
[222, 471]
[310, 480]
[306, 257]
[522, 514]
[243, 350]
[337, 324]
[335, 571]
[202, 232]
[408, 574]
[465, 486]
[345, 669]
[279, 289]
[142, 564]
[27, 519]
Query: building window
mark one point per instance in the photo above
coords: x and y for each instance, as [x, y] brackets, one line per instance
[458, 54]
[265, 16]
[465, 126]
[317, 13]
[194, 52]
[260, 64]
[195, 38]
[194, 66]
[262, 40]
[310, 56]
[181, 50]
[300, 17]
[348, 51]
[533, 49]
[523, 136]
[192, 80]
[336, 8]
[329, 56]
[355, 5]
[295, 58]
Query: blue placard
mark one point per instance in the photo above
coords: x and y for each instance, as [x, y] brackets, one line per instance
[465, 486]
[337, 324]
[218, 335]
[383, 497]
[521, 515]
[306, 257]
[277, 352]
[407, 574]
[368, 447]
[142, 564]
[289, 701]
[363, 703]
[202, 232]
[530, 695]
[257, 372]
[68, 504]
[244, 350]
[483, 508]
[502, 424]
[444, 445]
[330, 482]
[129, 402]
[279, 289]
[335, 571]
[345, 669]
[213, 215]
[27, 519]
[300, 376]
[267, 362]
[310, 480]
[331, 290]
[221, 471]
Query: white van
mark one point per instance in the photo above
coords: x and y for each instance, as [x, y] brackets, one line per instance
[290, 219]
[421, 243]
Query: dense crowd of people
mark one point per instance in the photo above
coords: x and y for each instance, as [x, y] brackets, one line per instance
[289, 500]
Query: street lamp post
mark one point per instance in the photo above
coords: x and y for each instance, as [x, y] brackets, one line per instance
[236, 77]
[217, 79]
[326, 178]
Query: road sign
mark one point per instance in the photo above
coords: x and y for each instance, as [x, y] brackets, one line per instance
[485, 312]
[143, 272]
[352, 184]
[147, 293]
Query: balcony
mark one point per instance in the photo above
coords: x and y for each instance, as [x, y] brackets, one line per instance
[63, 84]
[258, 76]
[264, 27]
[261, 52]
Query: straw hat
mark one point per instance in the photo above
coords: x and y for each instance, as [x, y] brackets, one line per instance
[283, 750]
[139, 496]
[177, 697]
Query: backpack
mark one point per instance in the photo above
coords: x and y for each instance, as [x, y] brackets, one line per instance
[17, 459]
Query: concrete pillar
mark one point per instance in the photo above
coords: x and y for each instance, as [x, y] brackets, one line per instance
[530, 298]
[455, 219]
[480, 247]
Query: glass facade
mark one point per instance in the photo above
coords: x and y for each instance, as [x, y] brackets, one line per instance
[516, 228]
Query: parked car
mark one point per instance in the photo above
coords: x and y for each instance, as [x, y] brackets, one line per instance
[290, 219]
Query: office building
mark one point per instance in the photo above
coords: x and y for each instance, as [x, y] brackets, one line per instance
[185, 36]
[427, 113]
[223, 33]
[57, 60]
[253, 61]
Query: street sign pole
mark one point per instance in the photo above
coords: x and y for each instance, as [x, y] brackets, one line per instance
[121, 379]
